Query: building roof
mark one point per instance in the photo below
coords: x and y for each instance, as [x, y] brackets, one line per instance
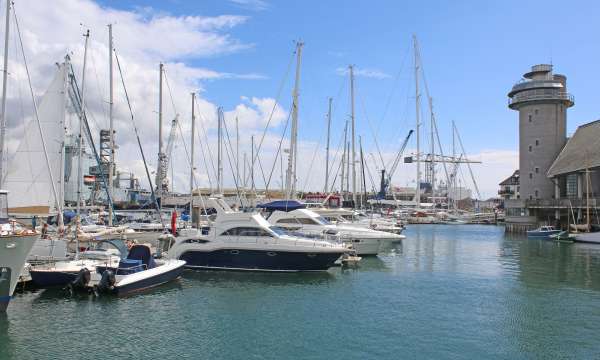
[511, 180]
[581, 151]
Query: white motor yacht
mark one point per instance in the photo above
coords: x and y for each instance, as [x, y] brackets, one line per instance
[246, 241]
[309, 223]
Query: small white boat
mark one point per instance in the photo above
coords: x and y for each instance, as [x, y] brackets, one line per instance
[138, 272]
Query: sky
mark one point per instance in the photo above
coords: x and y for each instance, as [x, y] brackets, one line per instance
[239, 54]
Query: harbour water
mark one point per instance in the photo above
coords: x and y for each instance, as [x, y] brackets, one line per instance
[447, 292]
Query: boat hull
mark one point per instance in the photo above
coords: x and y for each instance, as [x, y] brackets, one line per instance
[259, 260]
[149, 282]
[542, 235]
[13, 253]
[51, 278]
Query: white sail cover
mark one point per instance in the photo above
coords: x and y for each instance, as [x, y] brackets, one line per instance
[28, 179]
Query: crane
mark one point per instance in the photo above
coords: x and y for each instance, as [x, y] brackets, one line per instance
[162, 182]
[386, 180]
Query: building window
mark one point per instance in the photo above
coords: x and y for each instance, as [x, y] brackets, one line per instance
[536, 194]
[537, 142]
[529, 117]
[530, 148]
[536, 111]
[537, 170]
[531, 175]
[530, 197]
[572, 185]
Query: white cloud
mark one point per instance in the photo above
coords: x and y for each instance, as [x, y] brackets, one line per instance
[256, 5]
[143, 38]
[364, 72]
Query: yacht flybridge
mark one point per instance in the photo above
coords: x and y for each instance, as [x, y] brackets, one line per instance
[246, 241]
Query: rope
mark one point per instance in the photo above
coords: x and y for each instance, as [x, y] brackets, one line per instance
[139, 143]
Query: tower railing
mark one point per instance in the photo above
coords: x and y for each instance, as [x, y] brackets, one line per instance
[523, 97]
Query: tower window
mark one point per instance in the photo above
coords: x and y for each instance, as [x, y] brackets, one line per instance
[530, 117]
[531, 175]
[537, 142]
[536, 111]
[537, 170]
[536, 193]
[530, 148]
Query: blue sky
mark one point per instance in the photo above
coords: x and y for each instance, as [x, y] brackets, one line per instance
[472, 52]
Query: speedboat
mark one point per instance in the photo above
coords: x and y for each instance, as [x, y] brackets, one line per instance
[543, 232]
[308, 223]
[107, 253]
[139, 271]
[246, 241]
[15, 243]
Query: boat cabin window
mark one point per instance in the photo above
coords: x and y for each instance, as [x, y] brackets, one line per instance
[246, 231]
[303, 221]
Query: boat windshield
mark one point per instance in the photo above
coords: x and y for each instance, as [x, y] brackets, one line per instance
[321, 220]
[279, 230]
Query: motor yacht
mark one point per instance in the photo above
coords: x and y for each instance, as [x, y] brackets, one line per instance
[246, 241]
[308, 223]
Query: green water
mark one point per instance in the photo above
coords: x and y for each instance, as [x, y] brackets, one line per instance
[448, 292]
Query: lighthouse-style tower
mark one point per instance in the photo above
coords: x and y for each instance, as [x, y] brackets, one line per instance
[542, 100]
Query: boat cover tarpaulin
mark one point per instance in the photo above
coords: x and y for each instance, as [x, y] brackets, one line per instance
[282, 205]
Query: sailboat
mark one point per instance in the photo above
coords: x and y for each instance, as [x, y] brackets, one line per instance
[16, 240]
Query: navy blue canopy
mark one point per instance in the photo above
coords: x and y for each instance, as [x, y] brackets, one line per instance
[142, 252]
[282, 205]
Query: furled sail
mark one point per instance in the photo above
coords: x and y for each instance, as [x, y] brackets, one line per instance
[28, 179]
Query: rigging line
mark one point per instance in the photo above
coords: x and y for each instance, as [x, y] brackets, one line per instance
[35, 108]
[279, 91]
[227, 150]
[337, 172]
[394, 86]
[170, 93]
[202, 129]
[204, 160]
[100, 90]
[312, 161]
[337, 152]
[372, 131]
[135, 129]
[278, 153]
[371, 178]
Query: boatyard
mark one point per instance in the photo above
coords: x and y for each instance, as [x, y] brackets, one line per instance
[181, 181]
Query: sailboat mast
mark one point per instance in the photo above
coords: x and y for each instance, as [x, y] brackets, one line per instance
[353, 136]
[432, 140]
[79, 161]
[237, 150]
[327, 149]
[291, 171]
[252, 166]
[4, 87]
[160, 179]
[343, 178]
[455, 168]
[111, 163]
[192, 158]
[418, 125]
[219, 151]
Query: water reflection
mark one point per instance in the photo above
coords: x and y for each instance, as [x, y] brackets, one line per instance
[547, 263]
[249, 279]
